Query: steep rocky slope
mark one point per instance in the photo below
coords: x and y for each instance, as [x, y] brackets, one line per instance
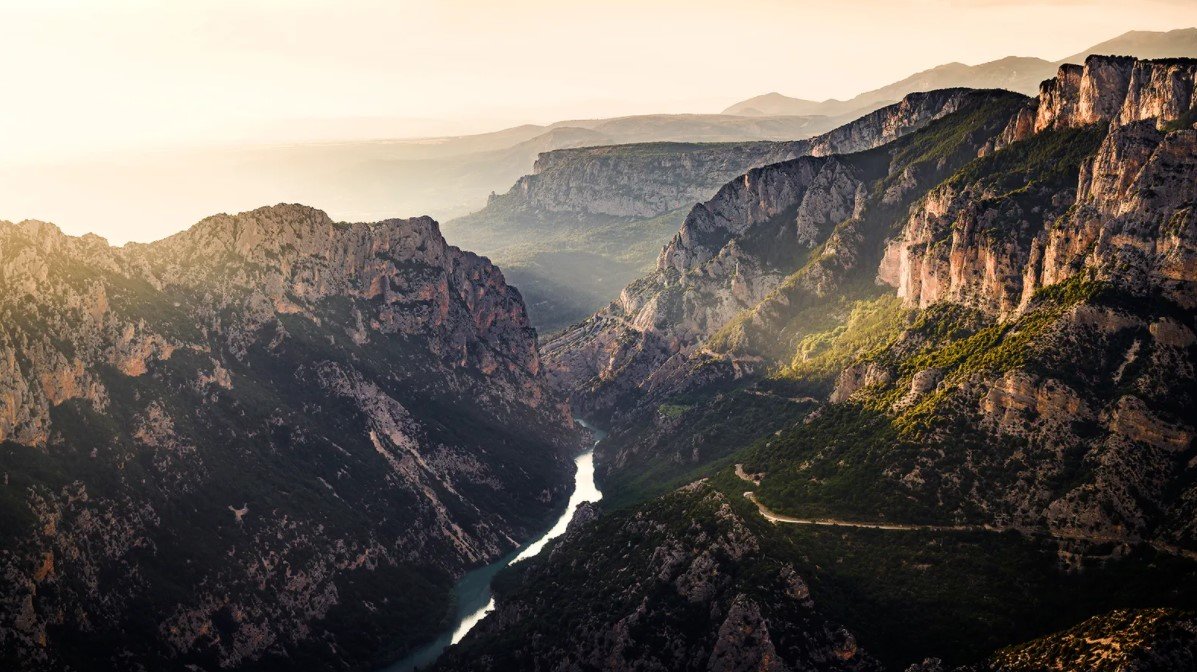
[271, 440]
[590, 220]
[1047, 383]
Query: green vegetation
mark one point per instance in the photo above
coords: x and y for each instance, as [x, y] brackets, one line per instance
[1049, 159]
[821, 355]
[1183, 122]
[847, 460]
[949, 139]
[963, 347]
[704, 433]
[672, 411]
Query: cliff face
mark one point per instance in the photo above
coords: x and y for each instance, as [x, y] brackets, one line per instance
[711, 271]
[637, 181]
[1116, 89]
[1134, 220]
[591, 220]
[231, 445]
[1128, 217]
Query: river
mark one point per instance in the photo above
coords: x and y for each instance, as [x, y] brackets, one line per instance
[474, 599]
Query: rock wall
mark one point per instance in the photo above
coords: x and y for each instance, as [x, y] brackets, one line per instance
[730, 253]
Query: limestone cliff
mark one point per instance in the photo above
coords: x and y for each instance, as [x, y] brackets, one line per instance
[1117, 89]
[643, 181]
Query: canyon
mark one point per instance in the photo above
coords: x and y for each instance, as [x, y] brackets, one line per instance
[916, 392]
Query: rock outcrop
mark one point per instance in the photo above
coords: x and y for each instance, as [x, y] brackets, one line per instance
[1117, 89]
[1148, 640]
[234, 444]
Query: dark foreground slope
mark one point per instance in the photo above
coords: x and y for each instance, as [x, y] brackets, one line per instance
[681, 584]
[696, 580]
[271, 441]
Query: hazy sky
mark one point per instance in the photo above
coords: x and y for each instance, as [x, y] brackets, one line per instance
[91, 76]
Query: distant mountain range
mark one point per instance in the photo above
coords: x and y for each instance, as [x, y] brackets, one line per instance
[1013, 73]
[451, 176]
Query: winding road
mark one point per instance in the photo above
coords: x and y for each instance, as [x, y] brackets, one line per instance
[781, 519]
[772, 517]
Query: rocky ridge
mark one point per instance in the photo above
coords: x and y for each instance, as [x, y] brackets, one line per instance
[643, 181]
[589, 221]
